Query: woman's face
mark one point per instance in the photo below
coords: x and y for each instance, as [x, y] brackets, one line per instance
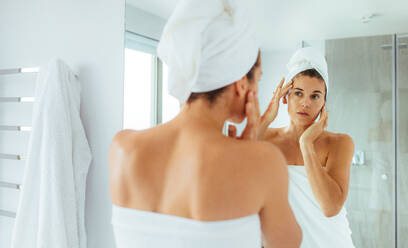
[306, 99]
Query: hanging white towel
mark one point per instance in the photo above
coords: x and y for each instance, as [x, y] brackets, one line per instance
[50, 213]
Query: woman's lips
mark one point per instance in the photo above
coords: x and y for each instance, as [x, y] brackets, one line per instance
[303, 113]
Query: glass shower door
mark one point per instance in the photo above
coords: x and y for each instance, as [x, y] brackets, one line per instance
[402, 139]
[360, 102]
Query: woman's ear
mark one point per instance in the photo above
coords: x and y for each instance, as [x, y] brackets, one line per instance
[241, 87]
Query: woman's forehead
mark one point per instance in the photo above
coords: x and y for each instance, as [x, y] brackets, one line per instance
[308, 83]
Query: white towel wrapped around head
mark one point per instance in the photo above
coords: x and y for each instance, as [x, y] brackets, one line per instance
[305, 59]
[207, 44]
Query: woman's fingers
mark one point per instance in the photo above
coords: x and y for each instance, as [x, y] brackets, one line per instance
[324, 116]
[327, 119]
[256, 103]
[252, 117]
[281, 82]
[286, 89]
[252, 109]
[322, 113]
[232, 131]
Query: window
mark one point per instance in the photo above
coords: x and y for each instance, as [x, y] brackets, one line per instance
[146, 100]
[137, 90]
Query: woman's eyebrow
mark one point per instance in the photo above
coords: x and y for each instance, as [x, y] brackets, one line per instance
[315, 91]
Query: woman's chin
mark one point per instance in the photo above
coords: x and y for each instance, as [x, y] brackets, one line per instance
[302, 121]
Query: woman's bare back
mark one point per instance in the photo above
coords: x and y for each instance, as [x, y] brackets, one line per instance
[203, 175]
[187, 173]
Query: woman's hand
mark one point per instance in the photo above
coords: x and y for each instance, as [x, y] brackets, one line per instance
[316, 129]
[273, 107]
[256, 124]
[253, 119]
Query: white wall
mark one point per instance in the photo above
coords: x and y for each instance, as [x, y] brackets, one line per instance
[88, 35]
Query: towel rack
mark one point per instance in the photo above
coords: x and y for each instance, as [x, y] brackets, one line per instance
[7, 214]
[19, 70]
[10, 185]
[22, 70]
[10, 156]
[15, 128]
[17, 99]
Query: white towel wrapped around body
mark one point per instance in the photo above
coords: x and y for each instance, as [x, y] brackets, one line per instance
[137, 228]
[318, 230]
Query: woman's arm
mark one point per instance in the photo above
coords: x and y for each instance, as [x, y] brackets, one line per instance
[329, 185]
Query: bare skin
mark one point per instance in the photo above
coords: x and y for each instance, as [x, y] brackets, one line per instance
[326, 156]
[188, 168]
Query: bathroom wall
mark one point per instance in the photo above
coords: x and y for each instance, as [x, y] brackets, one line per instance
[88, 35]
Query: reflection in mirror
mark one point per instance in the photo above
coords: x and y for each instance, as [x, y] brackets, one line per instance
[367, 58]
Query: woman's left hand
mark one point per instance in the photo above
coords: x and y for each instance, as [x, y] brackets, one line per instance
[316, 129]
[257, 124]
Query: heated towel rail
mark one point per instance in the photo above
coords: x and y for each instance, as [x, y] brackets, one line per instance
[14, 128]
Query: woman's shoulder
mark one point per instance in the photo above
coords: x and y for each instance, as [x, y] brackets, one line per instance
[257, 154]
[127, 139]
[337, 140]
[272, 133]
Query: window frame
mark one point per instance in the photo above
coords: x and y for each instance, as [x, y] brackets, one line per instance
[141, 43]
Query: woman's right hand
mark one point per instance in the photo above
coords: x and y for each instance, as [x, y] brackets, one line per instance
[256, 124]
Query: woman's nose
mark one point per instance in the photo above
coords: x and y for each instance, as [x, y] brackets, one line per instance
[305, 102]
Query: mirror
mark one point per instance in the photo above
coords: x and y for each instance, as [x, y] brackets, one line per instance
[365, 44]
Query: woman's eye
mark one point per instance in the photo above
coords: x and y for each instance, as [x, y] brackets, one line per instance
[315, 97]
[298, 93]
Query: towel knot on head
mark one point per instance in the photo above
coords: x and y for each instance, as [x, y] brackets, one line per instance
[306, 59]
[300, 64]
[207, 45]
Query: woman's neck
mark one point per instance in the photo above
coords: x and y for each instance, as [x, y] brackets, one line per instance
[203, 115]
[295, 131]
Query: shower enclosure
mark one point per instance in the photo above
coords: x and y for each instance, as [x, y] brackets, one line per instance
[367, 99]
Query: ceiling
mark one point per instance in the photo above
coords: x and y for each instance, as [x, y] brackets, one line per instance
[283, 24]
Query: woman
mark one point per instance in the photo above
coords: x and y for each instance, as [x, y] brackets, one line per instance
[185, 184]
[319, 161]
